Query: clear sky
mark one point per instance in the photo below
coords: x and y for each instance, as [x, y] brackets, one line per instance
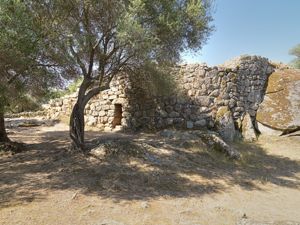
[269, 28]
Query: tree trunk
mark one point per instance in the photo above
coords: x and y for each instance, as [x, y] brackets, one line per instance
[77, 118]
[77, 127]
[77, 115]
[3, 134]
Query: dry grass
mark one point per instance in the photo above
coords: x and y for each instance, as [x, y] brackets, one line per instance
[139, 168]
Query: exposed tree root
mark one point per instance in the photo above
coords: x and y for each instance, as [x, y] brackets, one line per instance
[215, 142]
[13, 147]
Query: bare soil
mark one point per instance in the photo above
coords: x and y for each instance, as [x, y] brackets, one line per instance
[171, 183]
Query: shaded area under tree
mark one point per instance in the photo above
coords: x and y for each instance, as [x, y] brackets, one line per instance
[47, 165]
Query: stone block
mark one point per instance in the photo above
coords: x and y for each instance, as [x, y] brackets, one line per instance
[112, 97]
[200, 123]
[215, 93]
[204, 100]
[104, 96]
[248, 131]
[95, 113]
[110, 113]
[174, 114]
[163, 113]
[225, 123]
[91, 120]
[189, 124]
[169, 109]
[169, 121]
[179, 123]
[102, 113]
[232, 103]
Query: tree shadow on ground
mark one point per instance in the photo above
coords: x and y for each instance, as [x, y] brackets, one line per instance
[168, 171]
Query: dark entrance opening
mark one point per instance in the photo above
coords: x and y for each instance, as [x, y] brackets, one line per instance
[117, 115]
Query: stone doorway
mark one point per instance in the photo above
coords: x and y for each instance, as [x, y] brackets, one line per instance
[117, 115]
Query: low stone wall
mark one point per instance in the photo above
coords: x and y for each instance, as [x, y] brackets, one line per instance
[41, 113]
[100, 110]
[212, 97]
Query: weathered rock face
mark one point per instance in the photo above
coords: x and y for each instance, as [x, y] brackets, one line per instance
[281, 106]
[248, 130]
[211, 139]
[198, 94]
[225, 123]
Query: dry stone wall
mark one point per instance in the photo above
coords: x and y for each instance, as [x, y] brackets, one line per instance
[204, 97]
[100, 110]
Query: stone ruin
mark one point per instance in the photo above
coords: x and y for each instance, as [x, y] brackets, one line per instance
[224, 98]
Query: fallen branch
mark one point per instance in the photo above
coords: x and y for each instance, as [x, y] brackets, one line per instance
[290, 130]
[269, 126]
[273, 92]
[215, 142]
[74, 195]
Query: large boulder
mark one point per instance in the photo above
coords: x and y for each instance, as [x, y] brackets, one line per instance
[248, 130]
[281, 106]
[225, 124]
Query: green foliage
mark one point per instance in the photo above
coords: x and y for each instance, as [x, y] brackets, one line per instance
[58, 93]
[74, 86]
[44, 42]
[23, 103]
[26, 71]
[129, 33]
[296, 52]
[156, 81]
[162, 29]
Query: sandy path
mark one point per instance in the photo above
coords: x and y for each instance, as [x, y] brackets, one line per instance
[46, 185]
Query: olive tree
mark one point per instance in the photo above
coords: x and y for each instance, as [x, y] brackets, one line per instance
[27, 68]
[296, 52]
[100, 39]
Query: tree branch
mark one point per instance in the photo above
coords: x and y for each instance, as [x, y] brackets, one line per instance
[91, 63]
[80, 63]
[13, 78]
[47, 65]
[94, 92]
[86, 83]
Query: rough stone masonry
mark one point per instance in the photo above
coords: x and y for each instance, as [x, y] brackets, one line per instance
[223, 98]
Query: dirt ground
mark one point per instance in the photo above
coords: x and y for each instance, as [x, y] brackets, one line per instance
[170, 184]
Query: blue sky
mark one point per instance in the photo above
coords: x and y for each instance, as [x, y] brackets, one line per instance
[269, 28]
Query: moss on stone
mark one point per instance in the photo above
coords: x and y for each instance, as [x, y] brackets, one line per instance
[222, 111]
[276, 109]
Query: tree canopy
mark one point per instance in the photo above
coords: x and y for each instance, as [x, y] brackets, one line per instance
[25, 70]
[98, 39]
[104, 36]
[296, 52]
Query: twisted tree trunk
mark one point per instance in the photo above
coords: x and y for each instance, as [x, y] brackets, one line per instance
[77, 118]
[77, 115]
[77, 127]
